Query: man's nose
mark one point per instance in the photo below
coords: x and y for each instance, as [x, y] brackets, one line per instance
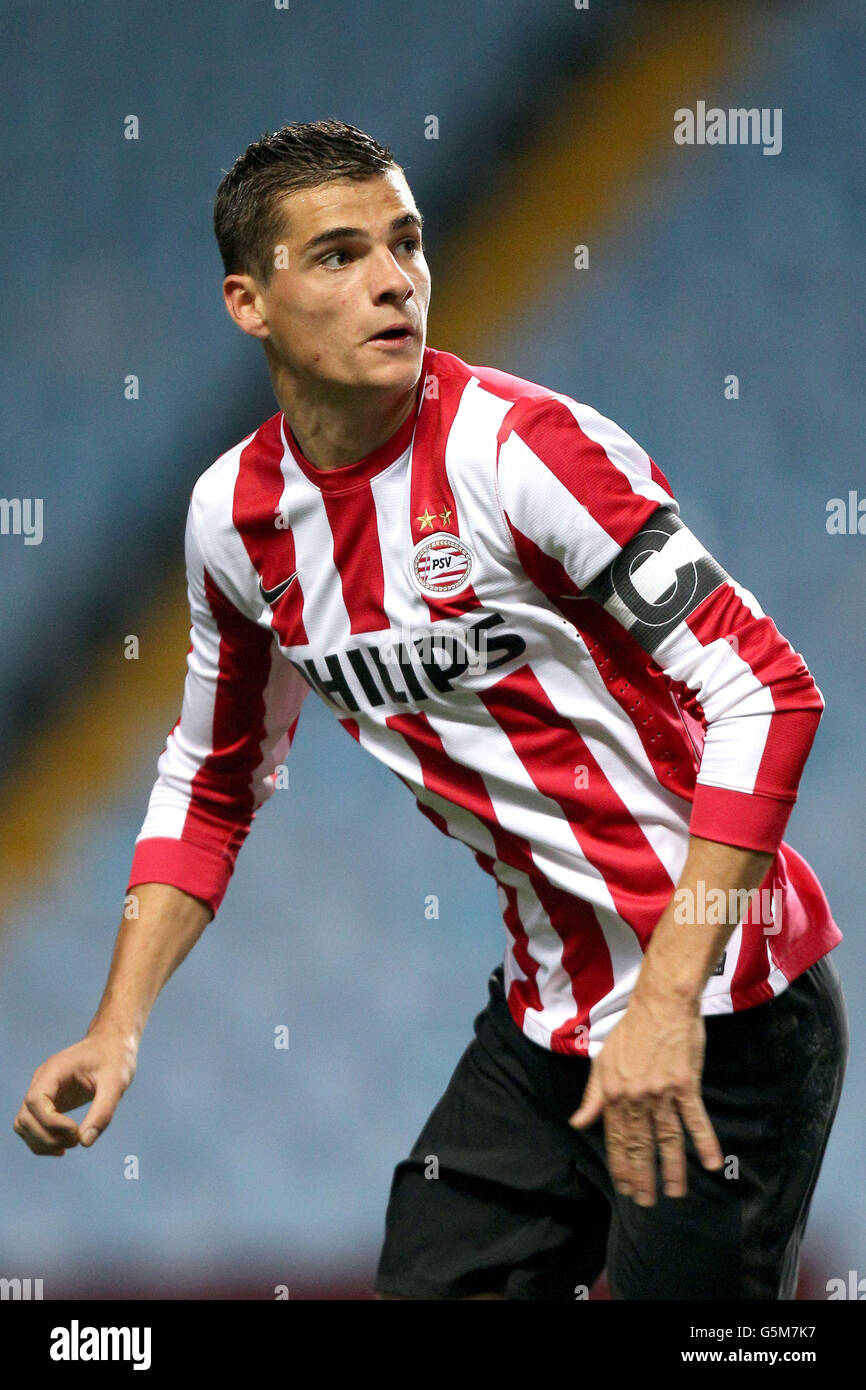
[389, 277]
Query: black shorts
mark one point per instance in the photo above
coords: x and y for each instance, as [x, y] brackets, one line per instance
[500, 1195]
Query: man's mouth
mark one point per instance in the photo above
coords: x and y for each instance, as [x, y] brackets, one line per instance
[393, 334]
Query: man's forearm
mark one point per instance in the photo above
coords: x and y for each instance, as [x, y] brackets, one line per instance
[148, 950]
[683, 951]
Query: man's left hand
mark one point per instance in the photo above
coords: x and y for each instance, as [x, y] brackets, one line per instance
[646, 1083]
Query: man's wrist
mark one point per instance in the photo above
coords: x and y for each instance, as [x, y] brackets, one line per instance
[656, 991]
[119, 1029]
[678, 962]
[688, 941]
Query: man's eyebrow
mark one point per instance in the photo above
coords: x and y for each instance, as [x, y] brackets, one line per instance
[411, 219]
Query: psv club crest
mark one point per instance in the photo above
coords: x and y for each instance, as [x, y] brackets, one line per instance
[441, 564]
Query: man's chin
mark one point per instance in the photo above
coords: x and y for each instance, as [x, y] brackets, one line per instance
[387, 369]
[370, 368]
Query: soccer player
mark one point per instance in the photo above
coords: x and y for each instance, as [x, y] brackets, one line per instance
[490, 585]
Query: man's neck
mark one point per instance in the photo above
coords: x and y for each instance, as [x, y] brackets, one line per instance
[337, 432]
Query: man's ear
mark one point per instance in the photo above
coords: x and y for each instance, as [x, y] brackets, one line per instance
[244, 306]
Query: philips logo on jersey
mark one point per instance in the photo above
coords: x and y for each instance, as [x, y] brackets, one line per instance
[404, 672]
[441, 564]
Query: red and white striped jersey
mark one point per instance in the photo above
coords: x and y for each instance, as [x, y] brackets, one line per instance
[502, 604]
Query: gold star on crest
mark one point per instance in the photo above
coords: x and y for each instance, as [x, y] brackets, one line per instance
[426, 519]
[445, 516]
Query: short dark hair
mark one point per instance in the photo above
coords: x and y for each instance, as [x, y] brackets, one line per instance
[247, 217]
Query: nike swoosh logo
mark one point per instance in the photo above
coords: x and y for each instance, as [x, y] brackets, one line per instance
[270, 596]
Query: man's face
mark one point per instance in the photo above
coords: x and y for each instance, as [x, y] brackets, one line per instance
[330, 296]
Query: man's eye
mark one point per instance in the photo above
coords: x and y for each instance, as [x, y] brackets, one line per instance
[412, 242]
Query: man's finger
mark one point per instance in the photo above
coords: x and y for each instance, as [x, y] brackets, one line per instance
[630, 1152]
[40, 1103]
[48, 1123]
[54, 1120]
[640, 1150]
[592, 1104]
[672, 1147]
[614, 1140]
[101, 1112]
[698, 1123]
[35, 1136]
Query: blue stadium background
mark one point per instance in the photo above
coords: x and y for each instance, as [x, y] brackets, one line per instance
[260, 1167]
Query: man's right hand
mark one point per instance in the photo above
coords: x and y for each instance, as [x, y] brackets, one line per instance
[149, 948]
[97, 1069]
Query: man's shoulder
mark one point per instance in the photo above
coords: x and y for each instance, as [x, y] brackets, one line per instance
[510, 388]
[554, 426]
[214, 489]
[218, 512]
[522, 402]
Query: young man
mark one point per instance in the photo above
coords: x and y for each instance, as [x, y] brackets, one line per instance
[490, 585]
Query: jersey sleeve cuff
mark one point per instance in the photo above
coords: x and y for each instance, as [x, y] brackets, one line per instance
[197, 871]
[746, 819]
